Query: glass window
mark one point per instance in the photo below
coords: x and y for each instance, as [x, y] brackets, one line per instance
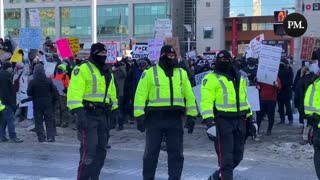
[76, 21]
[14, 1]
[47, 21]
[112, 20]
[207, 33]
[31, 0]
[12, 21]
[48, 0]
[145, 15]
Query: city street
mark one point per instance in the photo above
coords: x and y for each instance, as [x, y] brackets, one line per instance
[58, 161]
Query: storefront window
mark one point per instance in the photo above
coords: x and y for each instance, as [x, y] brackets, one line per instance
[112, 20]
[31, 0]
[145, 15]
[47, 21]
[14, 1]
[76, 21]
[12, 22]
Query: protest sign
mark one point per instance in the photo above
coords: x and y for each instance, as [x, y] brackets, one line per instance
[197, 95]
[253, 98]
[209, 56]
[34, 17]
[16, 57]
[64, 48]
[309, 44]
[255, 45]
[163, 28]
[154, 48]
[30, 38]
[191, 55]
[174, 42]
[49, 68]
[59, 85]
[4, 55]
[269, 61]
[199, 77]
[140, 51]
[242, 48]
[111, 52]
[74, 45]
[279, 43]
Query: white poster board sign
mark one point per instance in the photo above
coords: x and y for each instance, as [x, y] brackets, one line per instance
[140, 51]
[197, 95]
[253, 98]
[154, 48]
[49, 68]
[192, 54]
[199, 77]
[34, 17]
[111, 52]
[163, 28]
[59, 85]
[255, 45]
[269, 61]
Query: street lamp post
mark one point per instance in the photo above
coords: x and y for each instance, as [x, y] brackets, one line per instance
[93, 21]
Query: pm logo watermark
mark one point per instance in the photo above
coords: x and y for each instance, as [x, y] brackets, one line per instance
[295, 25]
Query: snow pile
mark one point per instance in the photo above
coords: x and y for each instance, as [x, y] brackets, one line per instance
[292, 150]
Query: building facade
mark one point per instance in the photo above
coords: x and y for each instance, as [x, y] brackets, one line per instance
[117, 20]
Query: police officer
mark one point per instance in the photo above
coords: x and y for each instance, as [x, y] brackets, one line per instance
[91, 97]
[312, 111]
[224, 105]
[2, 107]
[163, 95]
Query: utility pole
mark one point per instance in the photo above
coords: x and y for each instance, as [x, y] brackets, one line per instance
[1, 19]
[93, 21]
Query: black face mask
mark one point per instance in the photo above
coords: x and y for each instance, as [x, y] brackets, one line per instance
[223, 66]
[100, 60]
[171, 63]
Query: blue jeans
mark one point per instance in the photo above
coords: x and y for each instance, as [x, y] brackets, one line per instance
[8, 120]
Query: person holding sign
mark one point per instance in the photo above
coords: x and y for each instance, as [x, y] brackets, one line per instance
[163, 95]
[92, 98]
[224, 104]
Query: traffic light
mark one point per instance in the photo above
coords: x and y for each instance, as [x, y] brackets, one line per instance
[278, 27]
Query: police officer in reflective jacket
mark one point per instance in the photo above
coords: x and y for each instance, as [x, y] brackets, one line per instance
[163, 96]
[312, 111]
[224, 105]
[92, 98]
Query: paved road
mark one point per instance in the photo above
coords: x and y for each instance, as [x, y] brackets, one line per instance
[58, 161]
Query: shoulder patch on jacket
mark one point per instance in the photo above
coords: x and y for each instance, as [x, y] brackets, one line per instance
[76, 71]
[204, 82]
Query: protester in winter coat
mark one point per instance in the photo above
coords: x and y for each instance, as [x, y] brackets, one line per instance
[43, 94]
[120, 74]
[22, 90]
[251, 71]
[8, 98]
[285, 94]
[268, 100]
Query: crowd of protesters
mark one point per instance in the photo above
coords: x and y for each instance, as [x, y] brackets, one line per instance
[30, 95]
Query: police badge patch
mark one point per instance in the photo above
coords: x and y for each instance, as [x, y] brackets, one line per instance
[205, 82]
[76, 72]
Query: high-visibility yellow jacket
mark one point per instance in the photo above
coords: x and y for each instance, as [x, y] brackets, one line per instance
[2, 106]
[312, 98]
[87, 83]
[155, 92]
[219, 97]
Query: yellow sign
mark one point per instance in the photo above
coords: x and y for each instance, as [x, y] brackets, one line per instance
[16, 57]
[74, 45]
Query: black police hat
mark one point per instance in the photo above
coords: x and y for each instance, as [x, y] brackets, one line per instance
[97, 48]
[167, 49]
[225, 54]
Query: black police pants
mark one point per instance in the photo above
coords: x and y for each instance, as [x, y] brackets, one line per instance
[266, 107]
[285, 104]
[159, 124]
[44, 113]
[229, 146]
[93, 147]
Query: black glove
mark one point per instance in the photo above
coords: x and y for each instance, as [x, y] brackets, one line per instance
[140, 123]
[190, 124]
[251, 128]
[209, 122]
[81, 116]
